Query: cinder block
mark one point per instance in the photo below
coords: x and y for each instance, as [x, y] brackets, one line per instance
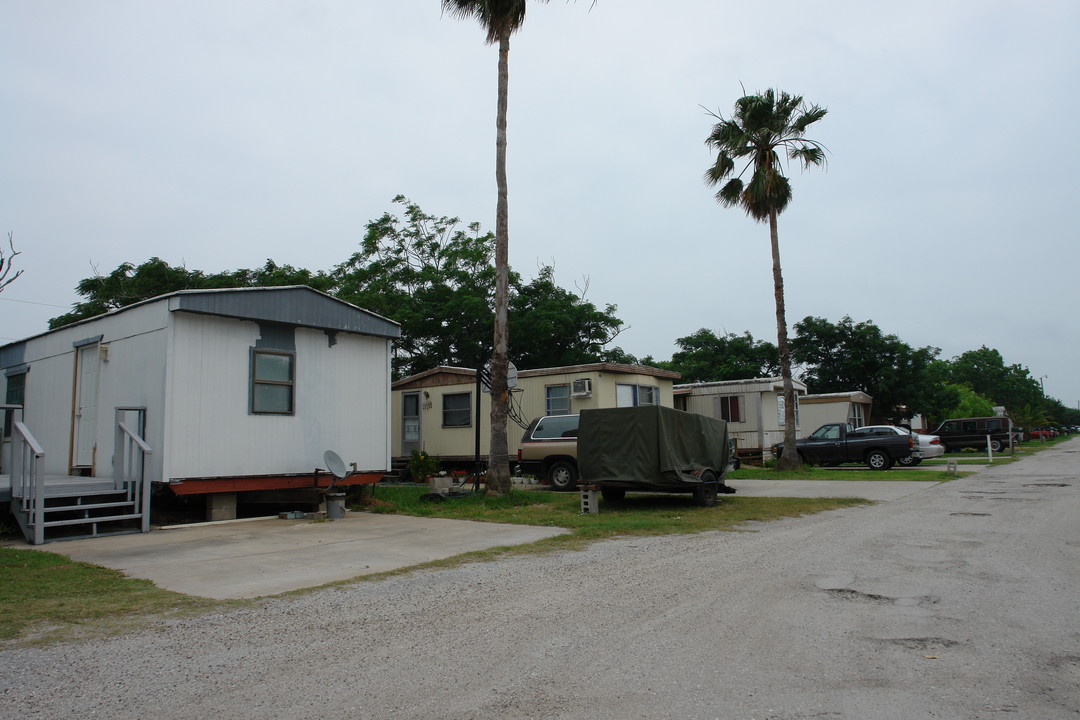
[221, 506]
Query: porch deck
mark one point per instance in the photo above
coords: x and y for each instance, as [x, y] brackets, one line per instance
[62, 485]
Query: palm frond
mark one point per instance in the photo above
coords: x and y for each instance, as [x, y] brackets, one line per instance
[730, 194]
[723, 167]
[760, 127]
[808, 154]
[497, 17]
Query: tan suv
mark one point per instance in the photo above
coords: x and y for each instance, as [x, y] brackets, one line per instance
[549, 450]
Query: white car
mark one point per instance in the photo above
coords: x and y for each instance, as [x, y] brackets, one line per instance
[931, 448]
[929, 445]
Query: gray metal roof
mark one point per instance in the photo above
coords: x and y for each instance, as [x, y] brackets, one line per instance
[289, 305]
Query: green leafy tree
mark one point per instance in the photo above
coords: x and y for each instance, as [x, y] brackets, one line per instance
[129, 284]
[1028, 416]
[435, 278]
[858, 356]
[761, 127]
[985, 372]
[969, 404]
[707, 357]
[1059, 414]
[940, 395]
[551, 326]
[500, 19]
[432, 276]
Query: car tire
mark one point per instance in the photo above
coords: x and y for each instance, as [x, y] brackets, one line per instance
[562, 475]
[878, 460]
[996, 445]
[706, 492]
[909, 461]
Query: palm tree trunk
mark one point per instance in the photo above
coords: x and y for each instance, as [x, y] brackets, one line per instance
[498, 477]
[790, 459]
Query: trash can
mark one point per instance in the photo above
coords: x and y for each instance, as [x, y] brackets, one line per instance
[335, 506]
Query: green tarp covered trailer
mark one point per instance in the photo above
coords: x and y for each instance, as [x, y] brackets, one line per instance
[653, 448]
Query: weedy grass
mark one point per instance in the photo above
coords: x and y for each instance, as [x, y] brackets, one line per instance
[45, 597]
[637, 514]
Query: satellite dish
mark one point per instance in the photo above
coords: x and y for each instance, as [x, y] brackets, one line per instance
[335, 464]
[511, 377]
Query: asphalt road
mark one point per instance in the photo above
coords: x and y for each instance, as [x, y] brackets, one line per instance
[958, 601]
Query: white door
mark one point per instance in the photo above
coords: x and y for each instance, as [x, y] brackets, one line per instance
[410, 422]
[84, 432]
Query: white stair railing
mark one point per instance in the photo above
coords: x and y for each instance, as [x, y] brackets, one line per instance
[28, 477]
[129, 462]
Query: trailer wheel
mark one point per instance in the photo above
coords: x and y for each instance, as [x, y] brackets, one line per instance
[613, 495]
[705, 492]
[562, 474]
[878, 460]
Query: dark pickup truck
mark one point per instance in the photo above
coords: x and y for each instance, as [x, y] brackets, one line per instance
[879, 447]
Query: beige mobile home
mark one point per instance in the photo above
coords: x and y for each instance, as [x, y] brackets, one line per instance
[844, 407]
[208, 393]
[753, 409]
[436, 411]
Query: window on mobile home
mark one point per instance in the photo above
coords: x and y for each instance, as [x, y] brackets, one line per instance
[456, 410]
[272, 383]
[558, 399]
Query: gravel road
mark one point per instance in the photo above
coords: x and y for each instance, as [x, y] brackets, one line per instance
[958, 601]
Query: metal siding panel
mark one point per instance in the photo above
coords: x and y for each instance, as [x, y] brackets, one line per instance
[291, 306]
[129, 377]
[341, 403]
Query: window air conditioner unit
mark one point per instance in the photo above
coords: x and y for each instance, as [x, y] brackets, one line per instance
[582, 387]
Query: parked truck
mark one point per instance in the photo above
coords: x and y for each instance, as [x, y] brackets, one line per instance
[878, 446]
[653, 449]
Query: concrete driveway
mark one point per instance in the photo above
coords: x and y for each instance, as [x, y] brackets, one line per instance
[267, 556]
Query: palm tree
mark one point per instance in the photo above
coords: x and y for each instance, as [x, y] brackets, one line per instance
[762, 126]
[500, 18]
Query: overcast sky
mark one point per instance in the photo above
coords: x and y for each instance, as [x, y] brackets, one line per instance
[219, 134]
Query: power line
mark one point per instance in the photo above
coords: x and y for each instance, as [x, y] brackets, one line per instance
[32, 302]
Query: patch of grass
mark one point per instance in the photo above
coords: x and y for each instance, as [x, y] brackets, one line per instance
[849, 472]
[638, 514]
[45, 597]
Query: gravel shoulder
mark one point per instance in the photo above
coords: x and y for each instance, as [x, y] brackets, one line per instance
[958, 601]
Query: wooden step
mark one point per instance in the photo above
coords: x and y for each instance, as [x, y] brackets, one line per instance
[90, 520]
[90, 506]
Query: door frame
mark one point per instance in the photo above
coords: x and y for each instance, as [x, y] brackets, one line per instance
[87, 355]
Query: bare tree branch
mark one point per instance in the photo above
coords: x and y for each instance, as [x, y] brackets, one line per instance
[7, 262]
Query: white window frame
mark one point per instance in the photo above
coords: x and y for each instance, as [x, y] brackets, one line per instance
[557, 403]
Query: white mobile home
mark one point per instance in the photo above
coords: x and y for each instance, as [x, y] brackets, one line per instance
[753, 409]
[226, 390]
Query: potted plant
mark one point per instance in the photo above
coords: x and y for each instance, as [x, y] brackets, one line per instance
[422, 466]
